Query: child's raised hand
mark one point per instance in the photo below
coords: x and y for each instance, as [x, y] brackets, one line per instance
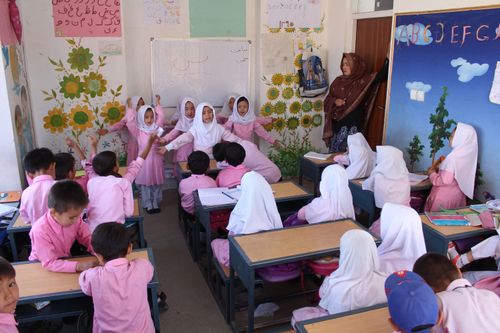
[157, 99]
[102, 132]
[161, 150]
[93, 140]
[152, 137]
[82, 266]
[129, 102]
[70, 142]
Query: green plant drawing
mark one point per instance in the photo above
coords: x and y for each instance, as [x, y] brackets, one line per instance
[414, 151]
[440, 125]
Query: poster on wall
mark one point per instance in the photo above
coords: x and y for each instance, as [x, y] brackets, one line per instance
[452, 57]
[76, 18]
[162, 12]
[294, 13]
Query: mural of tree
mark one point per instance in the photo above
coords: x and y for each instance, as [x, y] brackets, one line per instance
[440, 126]
[415, 151]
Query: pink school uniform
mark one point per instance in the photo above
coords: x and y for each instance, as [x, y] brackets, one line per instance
[190, 184]
[231, 175]
[456, 176]
[51, 241]
[34, 198]
[8, 323]
[255, 160]
[183, 125]
[119, 293]
[245, 126]
[203, 136]
[130, 116]
[110, 197]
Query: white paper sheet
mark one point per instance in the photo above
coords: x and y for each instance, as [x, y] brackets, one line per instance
[495, 86]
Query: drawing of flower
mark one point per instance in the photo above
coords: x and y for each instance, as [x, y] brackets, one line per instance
[279, 124]
[80, 58]
[268, 127]
[277, 79]
[94, 84]
[304, 29]
[274, 30]
[273, 93]
[318, 105]
[81, 117]
[292, 123]
[317, 120]
[295, 107]
[112, 112]
[289, 79]
[298, 61]
[287, 93]
[306, 121]
[55, 120]
[267, 109]
[307, 106]
[280, 107]
[71, 86]
[297, 93]
[289, 29]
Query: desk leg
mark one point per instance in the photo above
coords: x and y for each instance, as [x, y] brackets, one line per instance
[251, 301]
[232, 298]
[317, 179]
[13, 247]
[301, 172]
[154, 306]
[142, 240]
[208, 239]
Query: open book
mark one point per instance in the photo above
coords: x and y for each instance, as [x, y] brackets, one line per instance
[416, 178]
[6, 210]
[317, 156]
[216, 196]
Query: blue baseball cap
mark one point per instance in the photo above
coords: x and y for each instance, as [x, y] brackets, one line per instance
[412, 303]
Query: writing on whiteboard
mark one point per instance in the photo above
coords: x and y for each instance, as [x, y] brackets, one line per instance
[294, 13]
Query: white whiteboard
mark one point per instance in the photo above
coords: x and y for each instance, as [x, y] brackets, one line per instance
[207, 70]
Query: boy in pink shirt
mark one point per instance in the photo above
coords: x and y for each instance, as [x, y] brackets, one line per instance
[234, 154]
[40, 167]
[55, 232]
[118, 286]
[255, 160]
[198, 163]
[463, 308]
[9, 294]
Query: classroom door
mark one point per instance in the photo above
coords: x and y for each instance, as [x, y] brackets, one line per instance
[372, 44]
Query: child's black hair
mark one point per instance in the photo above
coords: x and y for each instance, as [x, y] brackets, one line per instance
[437, 270]
[242, 99]
[6, 269]
[65, 195]
[104, 164]
[65, 163]
[219, 151]
[111, 240]
[198, 162]
[38, 159]
[235, 154]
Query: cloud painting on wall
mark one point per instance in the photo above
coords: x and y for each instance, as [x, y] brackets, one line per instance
[467, 71]
[417, 90]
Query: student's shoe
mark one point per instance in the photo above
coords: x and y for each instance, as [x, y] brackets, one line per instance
[453, 254]
[149, 211]
[156, 210]
[162, 302]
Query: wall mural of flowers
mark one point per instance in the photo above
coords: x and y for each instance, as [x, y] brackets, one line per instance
[83, 100]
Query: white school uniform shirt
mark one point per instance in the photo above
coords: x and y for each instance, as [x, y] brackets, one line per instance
[389, 179]
[335, 201]
[357, 283]
[184, 123]
[226, 110]
[361, 157]
[462, 160]
[402, 238]
[248, 118]
[256, 209]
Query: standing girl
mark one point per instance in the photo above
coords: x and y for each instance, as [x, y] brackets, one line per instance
[227, 108]
[186, 111]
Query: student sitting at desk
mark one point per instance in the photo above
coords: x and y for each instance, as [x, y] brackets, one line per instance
[40, 166]
[356, 284]
[198, 163]
[231, 175]
[453, 177]
[463, 308]
[9, 294]
[402, 238]
[255, 211]
[359, 158]
[118, 286]
[53, 234]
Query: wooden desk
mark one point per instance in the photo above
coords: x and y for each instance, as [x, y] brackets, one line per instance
[184, 172]
[37, 284]
[122, 171]
[12, 196]
[269, 248]
[312, 168]
[368, 320]
[437, 237]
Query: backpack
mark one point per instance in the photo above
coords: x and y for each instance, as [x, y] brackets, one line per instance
[312, 77]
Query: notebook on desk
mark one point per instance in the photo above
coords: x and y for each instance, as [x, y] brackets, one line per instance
[317, 156]
[452, 218]
[215, 196]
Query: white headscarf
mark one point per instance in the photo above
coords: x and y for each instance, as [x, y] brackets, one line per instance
[335, 201]
[247, 118]
[394, 184]
[357, 283]
[141, 125]
[134, 101]
[184, 123]
[205, 135]
[462, 160]
[361, 157]
[402, 238]
[256, 209]
[226, 110]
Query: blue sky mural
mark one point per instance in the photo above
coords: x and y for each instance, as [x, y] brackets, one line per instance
[459, 50]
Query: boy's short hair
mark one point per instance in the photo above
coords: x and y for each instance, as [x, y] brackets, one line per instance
[65, 195]
[6, 269]
[104, 163]
[38, 159]
[235, 154]
[219, 151]
[65, 163]
[111, 240]
[437, 270]
[198, 162]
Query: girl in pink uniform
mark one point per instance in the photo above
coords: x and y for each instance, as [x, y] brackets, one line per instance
[186, 116]
[453, 177]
